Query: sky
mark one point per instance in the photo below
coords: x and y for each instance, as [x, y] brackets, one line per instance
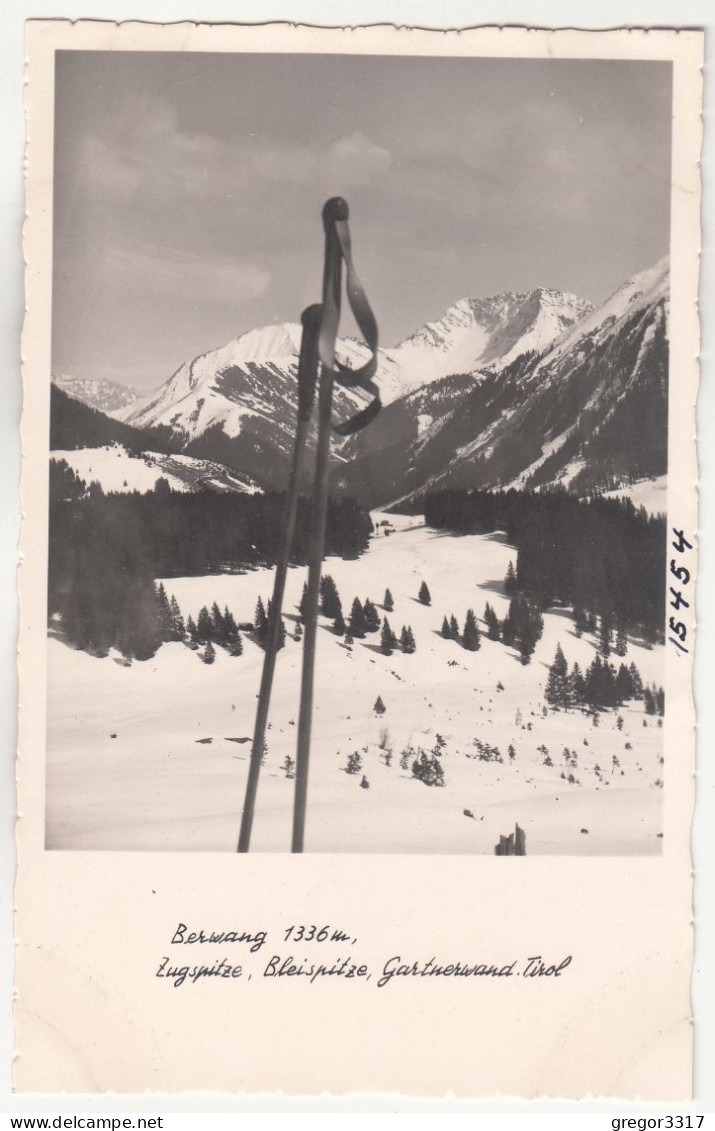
[189, 187]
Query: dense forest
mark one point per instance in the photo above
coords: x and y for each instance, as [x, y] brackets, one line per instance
[105, 552]
[602, 556]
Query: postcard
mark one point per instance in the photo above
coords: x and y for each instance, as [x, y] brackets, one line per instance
[359, 553]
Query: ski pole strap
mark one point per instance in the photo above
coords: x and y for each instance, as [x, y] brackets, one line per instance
[339, 251]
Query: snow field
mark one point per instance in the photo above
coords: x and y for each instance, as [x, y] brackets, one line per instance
[160, 785]
[117, 471]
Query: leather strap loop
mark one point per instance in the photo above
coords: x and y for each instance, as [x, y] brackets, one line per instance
[339, 251]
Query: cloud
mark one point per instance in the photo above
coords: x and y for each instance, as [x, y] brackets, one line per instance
[193, 278]
[145, 156]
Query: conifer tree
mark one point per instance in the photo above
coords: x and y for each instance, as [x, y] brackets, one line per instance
[191, 630]
[580, 622]
[356, 623]
[510, 582]
[492, 622]
[259, 618]
[164, 618]
[330, 603]
[470, 638]
[177, 621]
[637, 681]
[424, 594]
[203, 625]
[557, 686]
[388, 604]
[621, 639]
[298, 633]
[388, 640]
[604, 646]
[407, 640]
[649, 701]
[339, 624]
[453, 627]
[445, 630]
[379, 707]
[218, 629]
[232, 637]
[209, 653]
[624, 684]
[372, 617]
[303, 604]
[577, 686]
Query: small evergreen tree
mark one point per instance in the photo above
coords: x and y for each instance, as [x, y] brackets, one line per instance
[605, 637]
[453, 628]
[660, 701]
[379, 707]
[330, 604]
[232, 637]
[388, 604]
[492, 622]
[637, 681]
[445, 630]
[209, 653]
[354, 763]
[191, 631]
[424, 594]
[203, 626]
[621, 639]
[282, 635]
[339, 624]
[177, 621]
[303, 604]
[470, 638]
[580, 622]
[372, 617]
[298, 634]
[357, 620]
[510, 582]
[260, 618]
[407, 640]
[577, 686]
[218, 632]
[388, 640]
[557, 686]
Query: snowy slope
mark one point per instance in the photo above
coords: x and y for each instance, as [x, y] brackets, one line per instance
[155, 755]
[115, 470]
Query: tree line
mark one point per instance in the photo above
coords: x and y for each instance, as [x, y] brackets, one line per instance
[601, 556]
[105, 552]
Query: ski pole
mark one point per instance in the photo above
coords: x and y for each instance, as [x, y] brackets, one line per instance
[334, 210]
[307, 374]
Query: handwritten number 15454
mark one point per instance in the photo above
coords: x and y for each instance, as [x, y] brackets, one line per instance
[678, 601]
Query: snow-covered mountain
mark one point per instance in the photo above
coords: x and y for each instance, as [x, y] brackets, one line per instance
[478, 334]
[97, 392]
[238, 403]
[523, 390]
[589, 413]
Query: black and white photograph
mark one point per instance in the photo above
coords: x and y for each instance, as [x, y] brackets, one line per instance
[491, 618]
[359, 553]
